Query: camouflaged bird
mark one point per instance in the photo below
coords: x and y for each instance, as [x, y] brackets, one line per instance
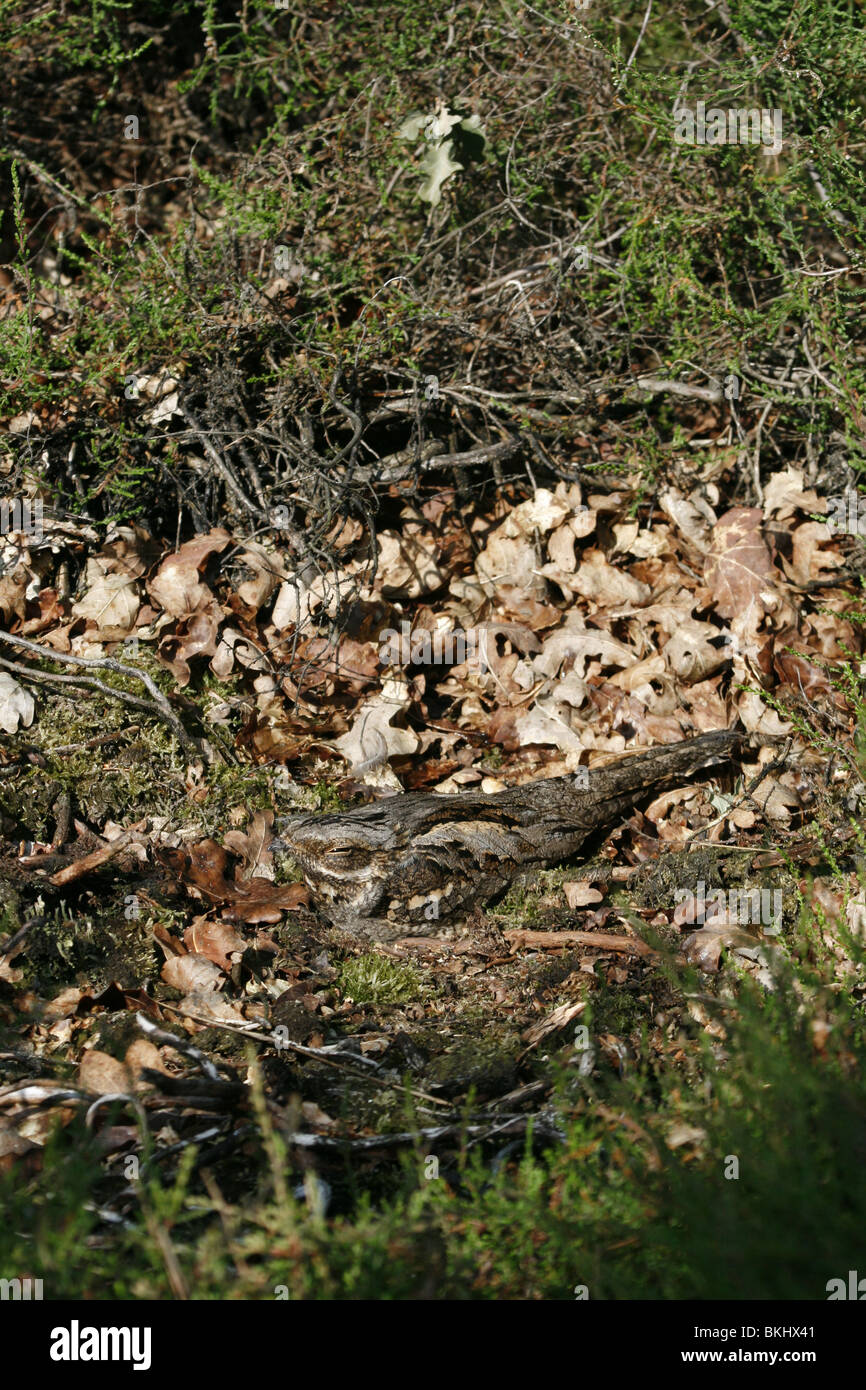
[398, 866]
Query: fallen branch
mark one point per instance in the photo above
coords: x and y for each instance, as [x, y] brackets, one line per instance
[679, 388]
[479, 1134]
[79, 867]
[631, 945]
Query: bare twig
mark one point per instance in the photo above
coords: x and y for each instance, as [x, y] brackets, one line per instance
[162, 710]
[631, 945]
[637, 44]
[679, 388]
[313, 1053]
[80, 867]
[219, 463]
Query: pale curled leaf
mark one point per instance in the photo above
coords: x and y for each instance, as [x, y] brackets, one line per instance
[738, 566]
[192, 973]
[438, 165]
[581, 894]
[102, 1074]
[252, 845]
[111, 601]
[176, 586]
[216, 941]
[704, 948]
[17, 705]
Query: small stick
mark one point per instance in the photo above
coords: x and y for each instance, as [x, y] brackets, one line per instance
[631, 945]
[79, 867]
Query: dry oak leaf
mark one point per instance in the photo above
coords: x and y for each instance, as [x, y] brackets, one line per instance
[203, 1005]
[142, 1056]
[681, 1133]
[17, 705]
[192, 973]
[606, 585]
[637, 679]
[510, 557]
[8, 973]
[774, 799]
[855, 916]
[757, 717]
[505, 560]
[346, 531]
[176, 586]
[130, 550]
[807, 561]
[355, 663]
[110, 601]
[541, 512]
[14, 1147]
[407, 564]
[64, 1004]
[482, 653]
[547, 722]
[659, 809]
[215, 940]
[103, 1075]
[704, 948]
[560, 549]
[13, 594]
[552, 1022]
[373, 739]
[797, 670]
[697, 650]
[784, 493]
[202, 867]
[689, 519]
[233, 646]
[295, 604]
[642, 542]
[195, 636]
[582, 644]
[267, 572]
[738, 566]
[252, 846]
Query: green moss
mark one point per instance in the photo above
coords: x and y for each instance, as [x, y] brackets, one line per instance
[94, 950]
[374, 979]
[531, 897]
[481, 1063]
[618, 1010]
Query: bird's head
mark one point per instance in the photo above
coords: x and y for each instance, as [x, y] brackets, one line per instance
[344, 860]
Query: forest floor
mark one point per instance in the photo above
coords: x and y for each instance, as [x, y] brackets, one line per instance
[398, 401]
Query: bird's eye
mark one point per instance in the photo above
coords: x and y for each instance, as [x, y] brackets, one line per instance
[340, 849]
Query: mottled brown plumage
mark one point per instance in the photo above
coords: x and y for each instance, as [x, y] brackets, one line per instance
[397, 866]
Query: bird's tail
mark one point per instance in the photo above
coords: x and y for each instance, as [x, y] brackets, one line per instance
[668, 762]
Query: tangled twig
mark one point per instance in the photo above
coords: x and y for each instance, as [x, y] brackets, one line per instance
[160, 706]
